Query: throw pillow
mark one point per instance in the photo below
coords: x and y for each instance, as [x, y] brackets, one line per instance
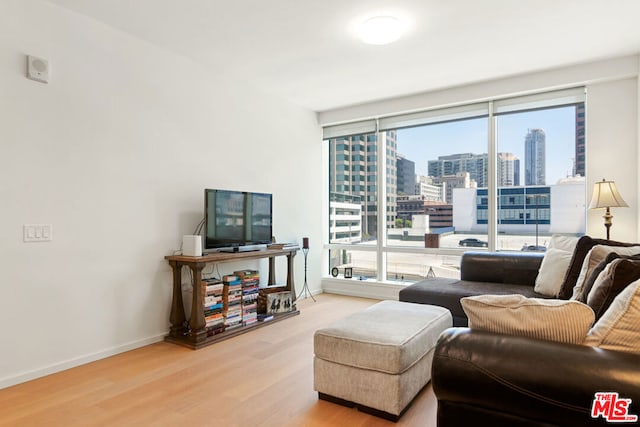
[588, 284]
[618, 328]
[546, 319]
[585, 243]
[614, 278]
[595, 256]
[552, 270]
[566, 243]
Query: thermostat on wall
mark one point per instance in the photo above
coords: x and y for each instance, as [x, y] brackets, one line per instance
[37, 69]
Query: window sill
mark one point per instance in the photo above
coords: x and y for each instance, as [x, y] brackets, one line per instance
[369, 288]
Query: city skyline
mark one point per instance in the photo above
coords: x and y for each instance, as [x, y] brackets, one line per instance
[470, 136]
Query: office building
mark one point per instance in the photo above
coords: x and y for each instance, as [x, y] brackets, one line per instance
[534, 157]
[475, 164]
[426, 187]
[353, 162]
[450, 182]
[406, 173]
[508, 170]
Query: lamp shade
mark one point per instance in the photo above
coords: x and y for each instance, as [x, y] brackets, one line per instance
[606, 195]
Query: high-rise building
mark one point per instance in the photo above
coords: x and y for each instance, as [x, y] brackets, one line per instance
[406, 169]
[579, 161]
[353, 172]
[508, 170]
[534, 157]
[476, 165]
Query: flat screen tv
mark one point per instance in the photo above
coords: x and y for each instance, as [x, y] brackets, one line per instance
[236, 219]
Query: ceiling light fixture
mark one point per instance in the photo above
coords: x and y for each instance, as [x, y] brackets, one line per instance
[381, 30]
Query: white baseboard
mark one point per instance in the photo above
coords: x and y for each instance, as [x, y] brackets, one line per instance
[72, 363]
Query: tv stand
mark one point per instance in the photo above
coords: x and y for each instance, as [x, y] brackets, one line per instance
[194, 334]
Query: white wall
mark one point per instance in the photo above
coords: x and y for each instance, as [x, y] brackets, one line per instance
[568, 208]
[115, 152]
[612, 153]
[558, 78]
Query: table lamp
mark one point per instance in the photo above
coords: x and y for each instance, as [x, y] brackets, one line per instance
[606, 195]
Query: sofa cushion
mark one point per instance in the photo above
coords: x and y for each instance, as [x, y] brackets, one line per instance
[517, 268]
[552, 270]
[618, 328]
[594, 257]
[588, 284]
[448, 292]
[547, 319]
[565, 243]
[585, 243]
[618, 274]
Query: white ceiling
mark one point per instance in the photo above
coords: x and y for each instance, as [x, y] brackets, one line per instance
[306, 50]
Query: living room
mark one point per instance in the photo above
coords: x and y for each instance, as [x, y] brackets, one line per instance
[115, 151]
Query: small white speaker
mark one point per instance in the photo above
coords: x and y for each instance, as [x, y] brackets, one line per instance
[37, 69]
[192, 245]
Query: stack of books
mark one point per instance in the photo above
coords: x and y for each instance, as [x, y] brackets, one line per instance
[212, 290]
[250, 286]
[232, 302]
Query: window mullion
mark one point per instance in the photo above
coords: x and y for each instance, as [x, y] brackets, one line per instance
[492, 183]
[381, 214]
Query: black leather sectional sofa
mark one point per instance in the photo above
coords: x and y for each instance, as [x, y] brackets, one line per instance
[484, 378]
[498, 273]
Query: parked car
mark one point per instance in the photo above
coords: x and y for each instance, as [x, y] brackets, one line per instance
[533, 248]
[473, 242]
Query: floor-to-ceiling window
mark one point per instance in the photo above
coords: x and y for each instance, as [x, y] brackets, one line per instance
[540, 189]
[353, 202]
[408, 194]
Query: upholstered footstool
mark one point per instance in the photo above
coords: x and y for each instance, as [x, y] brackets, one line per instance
[380, 358]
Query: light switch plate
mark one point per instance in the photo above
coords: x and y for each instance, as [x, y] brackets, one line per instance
[37, 232]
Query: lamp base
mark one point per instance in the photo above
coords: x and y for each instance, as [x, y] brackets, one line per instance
[305, 288]
[607, 221]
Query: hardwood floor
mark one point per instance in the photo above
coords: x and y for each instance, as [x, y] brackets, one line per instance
[262, 378]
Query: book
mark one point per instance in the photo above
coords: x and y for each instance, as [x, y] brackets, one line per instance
[213, 308]
[243, 274]
[253, 306]
[214, 288]
[211, 300]
[265, 317]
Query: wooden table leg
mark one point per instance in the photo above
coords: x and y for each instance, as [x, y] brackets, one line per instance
[177, 316]
[290, 282]
[272, 271]
[197, 324]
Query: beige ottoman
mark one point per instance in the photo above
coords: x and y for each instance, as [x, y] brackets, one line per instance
[380, 358]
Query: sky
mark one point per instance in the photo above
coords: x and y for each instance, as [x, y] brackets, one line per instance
[424, 143]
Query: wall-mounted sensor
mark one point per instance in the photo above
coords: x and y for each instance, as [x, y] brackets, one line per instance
[37, 69]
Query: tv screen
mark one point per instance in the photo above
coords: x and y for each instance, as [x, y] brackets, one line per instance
[236, 218]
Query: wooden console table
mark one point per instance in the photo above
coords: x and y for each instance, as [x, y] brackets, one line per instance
[195, 335]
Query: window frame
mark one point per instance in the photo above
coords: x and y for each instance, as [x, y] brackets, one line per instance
[491, 109]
